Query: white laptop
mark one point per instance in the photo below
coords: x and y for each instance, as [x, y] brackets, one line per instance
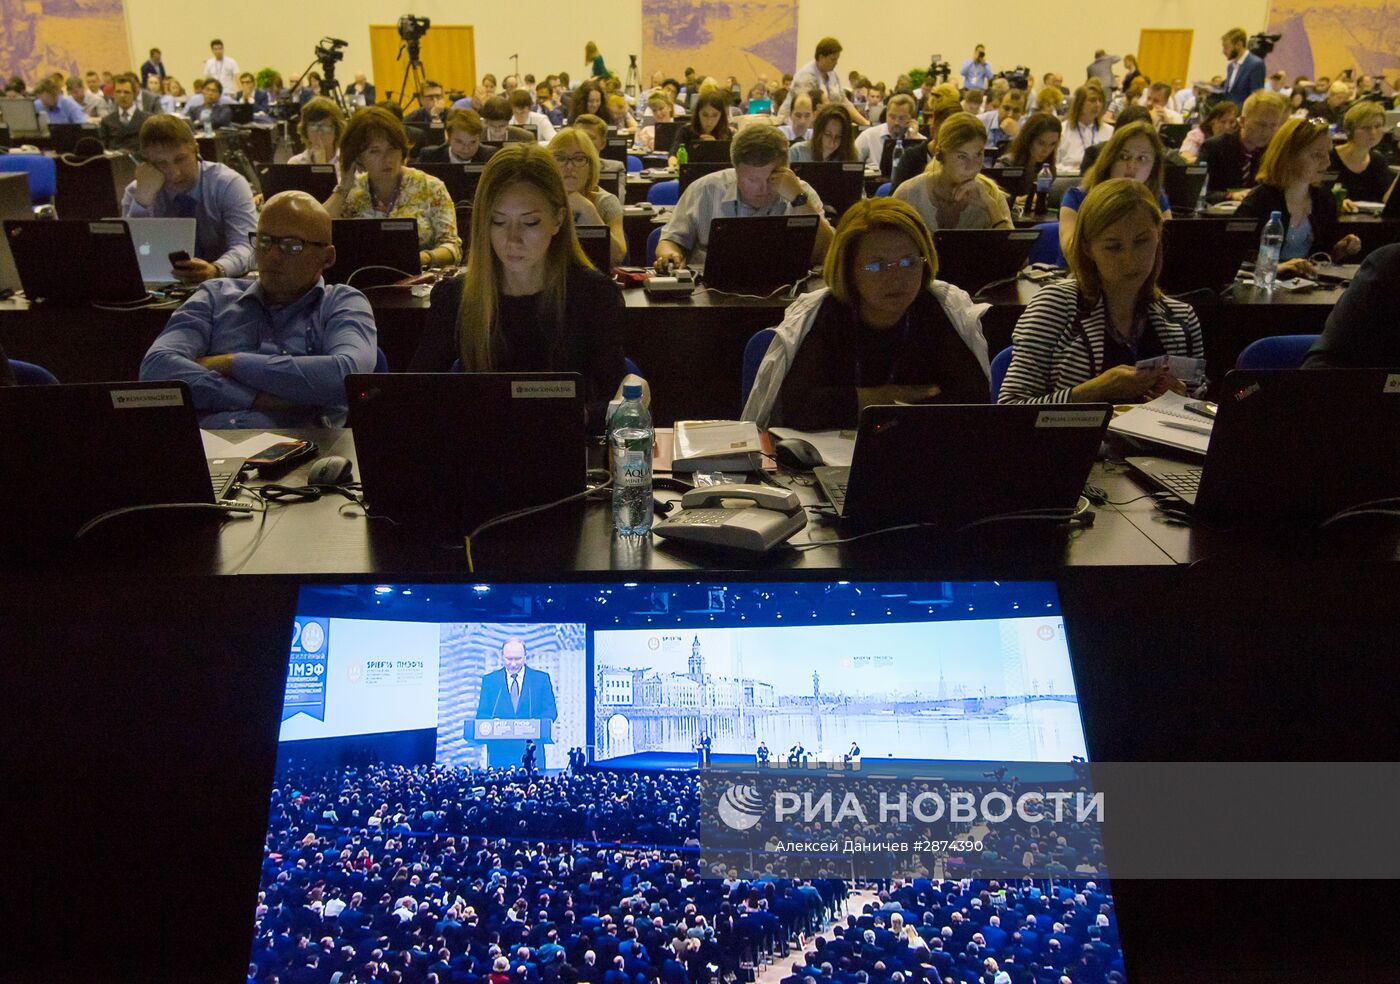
[22, 118]
[155, 240]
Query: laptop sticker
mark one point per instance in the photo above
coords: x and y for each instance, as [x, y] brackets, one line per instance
[132, 399]
[552, 389]
[1069, 418]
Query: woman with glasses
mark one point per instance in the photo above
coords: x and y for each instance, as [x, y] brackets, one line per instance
[1360, 169]
[375, 184]
[1297, 157]
[529, 300]
[577, 157]
[1080, 340]
[883, 330]
[321, 126]
[1135, 152]
[953, 193]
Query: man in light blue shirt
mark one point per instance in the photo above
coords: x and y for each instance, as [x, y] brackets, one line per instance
[976, 72]
[49, 98]
[271, 352]
[172, 182]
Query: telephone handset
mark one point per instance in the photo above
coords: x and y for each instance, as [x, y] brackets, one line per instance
[747, 517]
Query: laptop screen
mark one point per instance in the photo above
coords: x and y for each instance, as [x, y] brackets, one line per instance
[451, 752]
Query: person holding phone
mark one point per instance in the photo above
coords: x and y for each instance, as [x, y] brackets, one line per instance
[272, 352]
[173, 182]
[375, 184]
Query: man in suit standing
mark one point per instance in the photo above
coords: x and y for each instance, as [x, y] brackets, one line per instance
[121, 128]
[154, 66]
[1244, 70]
[516, 692]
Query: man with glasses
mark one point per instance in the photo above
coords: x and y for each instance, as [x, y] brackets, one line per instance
[464, 146]
[433, 106]
[173, 182]
[1233, 158]
[275, 351]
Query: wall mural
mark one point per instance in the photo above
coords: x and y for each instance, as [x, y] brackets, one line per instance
[747, 40]
[39, 37]
[1322, 37]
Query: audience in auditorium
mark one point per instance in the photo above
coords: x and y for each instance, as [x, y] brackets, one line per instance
[531, 302]
[432, 106]
[953, 193]
[50, 98]
[883, 330]
[1223, 117]
[320, 125]
[522, 114]
[463, 146]
[1034, 146]
[709, 120]
[1362, 171]
[1296, 158]
[799, 122]
[173, 182]
[1362, 330]
[121, 128]
[590, 97]
[1233, 158]
[1083, 126]
[884, 144]
[662, 111]
[759, 183]
[1134, 151]
[820, 74]
[612, 175]
[832, 138]
[1080, 340]
[577, 157]
[376, 184]
[275, 351]
[212, 109]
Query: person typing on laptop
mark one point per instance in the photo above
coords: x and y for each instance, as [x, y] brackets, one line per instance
[884, 331]
[1085, 339]
[530, 302]
[759, 183]
[271, 352]
[173, 182]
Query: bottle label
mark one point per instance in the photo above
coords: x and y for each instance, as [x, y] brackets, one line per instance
[631, 468]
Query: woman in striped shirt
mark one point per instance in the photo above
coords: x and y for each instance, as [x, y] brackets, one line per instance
[1081, 340]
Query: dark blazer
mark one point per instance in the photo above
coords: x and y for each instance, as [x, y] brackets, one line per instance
[116, 135]
[419, 117]
[1268, 198]
[350, 92]
[1248, 77]
[150, 102]
[1362, 330]
[259, 99]
[438, 154]
[536, 699]
[222, 116]
[149, 68]
[1223, 157]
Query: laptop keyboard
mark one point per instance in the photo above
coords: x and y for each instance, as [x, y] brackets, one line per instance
[223, 473]
[833, 481]
[1183, 483]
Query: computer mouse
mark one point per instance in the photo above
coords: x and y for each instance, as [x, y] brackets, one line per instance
[797, 454]
[330, 470]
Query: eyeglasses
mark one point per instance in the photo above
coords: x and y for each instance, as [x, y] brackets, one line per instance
[323, 128]
[576, 160]
[904, 263]
[290, 245]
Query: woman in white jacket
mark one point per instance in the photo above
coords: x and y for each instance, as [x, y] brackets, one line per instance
[883, 331]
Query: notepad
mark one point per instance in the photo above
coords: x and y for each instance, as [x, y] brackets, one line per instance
[717, 445]
[1165, 421]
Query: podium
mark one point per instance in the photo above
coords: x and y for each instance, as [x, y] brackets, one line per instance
[503, 729]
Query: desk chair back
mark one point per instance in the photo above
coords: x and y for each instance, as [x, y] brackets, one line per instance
[43, 179]
[28, 374]
[1000, 363]
[664, 193]
[1276, 352]
[754, 351]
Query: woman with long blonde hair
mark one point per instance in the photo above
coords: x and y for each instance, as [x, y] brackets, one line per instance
[577, 157]
[952, 193]
[529, 300]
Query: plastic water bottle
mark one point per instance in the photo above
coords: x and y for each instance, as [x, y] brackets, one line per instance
[682, 155]
[630, 440]
[1044, 178]
[1202, 203]
[1270, 245]
[206, 116]
[897, 153]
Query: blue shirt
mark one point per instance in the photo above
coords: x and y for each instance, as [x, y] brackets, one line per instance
[66, 111]
[976, 76]
[1297, 241]
[1074, 199]
[300, 352]
[221, 203]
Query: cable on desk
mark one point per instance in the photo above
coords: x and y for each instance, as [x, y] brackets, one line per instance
[224, 507]
[529, 511]
[997, 283]
[1369, 508]
[861, 536]
[349, 280]
[149, 301]
[1080, 515]
[756, 297]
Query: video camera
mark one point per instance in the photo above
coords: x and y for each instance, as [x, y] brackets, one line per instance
[1261, 44]
[1017, 78]
[412, 29]
[328, 53]
[938, 68]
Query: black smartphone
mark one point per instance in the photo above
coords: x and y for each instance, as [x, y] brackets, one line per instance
[1202, 408]
[179, 256]
[281, 455]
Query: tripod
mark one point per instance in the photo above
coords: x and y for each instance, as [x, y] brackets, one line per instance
[632, 85]
[330, 88]
[413, 72]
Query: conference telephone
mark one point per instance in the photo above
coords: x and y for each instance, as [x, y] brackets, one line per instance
[746, 517]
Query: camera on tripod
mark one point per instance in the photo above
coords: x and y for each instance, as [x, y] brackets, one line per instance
[412, 29]
[328, 53]
[939, 69]
[1261, 44]
[1017, 78]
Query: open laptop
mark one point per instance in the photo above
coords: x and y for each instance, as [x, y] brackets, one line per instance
[760, 254]
[1299, 444]
[974, 259]
[74, 262]
[707, 151]
[615, 149]
[94, 447]
[1011, 178]
[241, 113]
[1205, 253]
[690, 172]
[14, 206]
[317, 180]
[65, 136]
[665, 135]
[839, 184]
[374, 251]
[154, 240]
[596, 242]
[954, 464]
[1173, 134]
[1183, 186]
[22, 118]
[447, 451]
[93, 188]
[461, 179]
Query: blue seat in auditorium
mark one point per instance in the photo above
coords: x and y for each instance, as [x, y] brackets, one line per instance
[653, 238]
[1000, 363]
[664, 193]
[28, 374]
[381, 361]
[1047, 247]
[884, 190]
[634, 164]
[1276, 352]
[43, 175]
[754, 351]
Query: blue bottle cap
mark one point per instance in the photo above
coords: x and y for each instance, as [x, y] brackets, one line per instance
[631, 391]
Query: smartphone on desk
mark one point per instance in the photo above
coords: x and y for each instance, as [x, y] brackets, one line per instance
[280, 458]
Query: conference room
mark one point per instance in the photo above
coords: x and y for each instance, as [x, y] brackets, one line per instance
[716, 314]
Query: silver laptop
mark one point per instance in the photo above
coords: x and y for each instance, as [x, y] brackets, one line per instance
[22, 118]
[155, 240]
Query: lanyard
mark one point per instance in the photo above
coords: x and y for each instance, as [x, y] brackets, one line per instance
[862, 338]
